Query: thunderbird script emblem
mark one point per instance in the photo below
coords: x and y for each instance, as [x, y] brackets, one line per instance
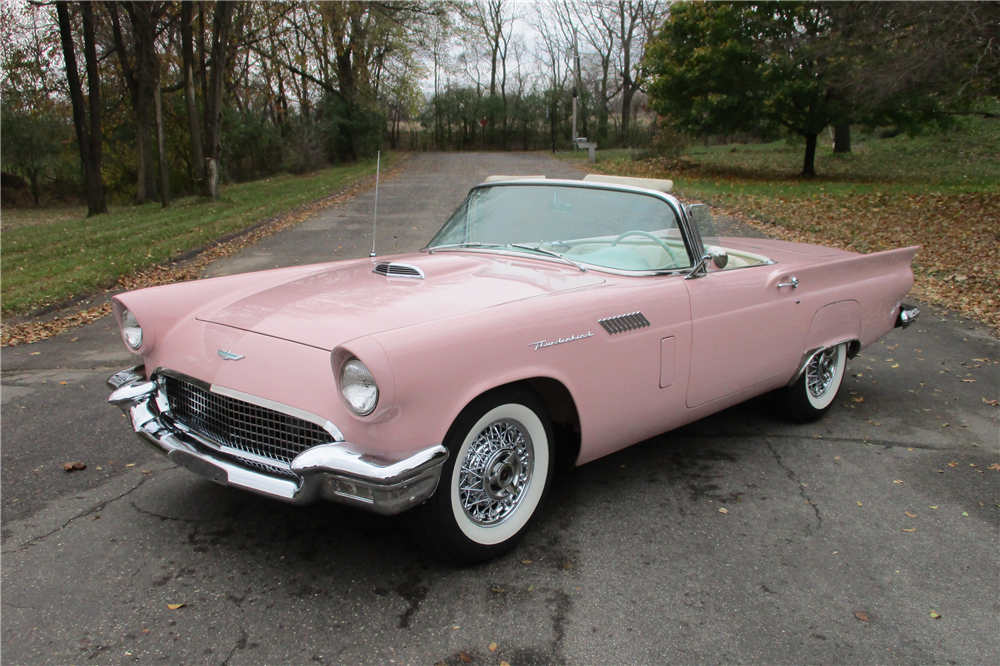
[229, 356]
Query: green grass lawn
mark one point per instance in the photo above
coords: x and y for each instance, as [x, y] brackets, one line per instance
[53, 254]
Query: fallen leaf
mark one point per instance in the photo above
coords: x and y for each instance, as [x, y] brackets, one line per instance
[525, 561]
[911, 515]
[861, 615]
[504, 663]
[63, 383]
[723, 510]
[897, 481]
[493, 647]
[995, 403]
[860, 504]
[35, 353]
[953, 464]
[860, 398]
[130, 465]
[995, 466]
[910, 529]
[531, 588]
[567, 565]
[895, 365]
[968, 381]
[933, 507]
[147, 471]
[935, 616]
[498, 590]
[175, 606]
[965, 513]
[74, 466]
[466, 658]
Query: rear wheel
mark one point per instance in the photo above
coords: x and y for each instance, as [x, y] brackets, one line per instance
[493, 482]
[813, 393]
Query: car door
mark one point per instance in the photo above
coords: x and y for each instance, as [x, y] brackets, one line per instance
[747, 332]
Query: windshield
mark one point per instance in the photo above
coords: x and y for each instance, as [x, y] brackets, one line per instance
[596, 227]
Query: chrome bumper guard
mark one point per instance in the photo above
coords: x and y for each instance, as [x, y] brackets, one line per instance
[907, 315]
[334, 471]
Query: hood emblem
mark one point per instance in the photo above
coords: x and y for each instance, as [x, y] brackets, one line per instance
[229, 356]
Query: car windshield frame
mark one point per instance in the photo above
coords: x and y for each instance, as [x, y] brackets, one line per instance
[688, 235]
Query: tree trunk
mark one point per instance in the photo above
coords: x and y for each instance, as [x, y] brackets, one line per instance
[161, 144]
[36, 191]
[809, 166]
[190, 99]
[842, 138]
[213, 103]
[94, 85]
[91, 162]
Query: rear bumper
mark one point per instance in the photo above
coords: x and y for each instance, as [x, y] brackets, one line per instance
[907, 315]
[336, 472]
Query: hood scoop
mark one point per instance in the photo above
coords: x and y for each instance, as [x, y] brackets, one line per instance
[393, 269]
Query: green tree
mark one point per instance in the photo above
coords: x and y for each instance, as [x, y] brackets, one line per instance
[728, 67]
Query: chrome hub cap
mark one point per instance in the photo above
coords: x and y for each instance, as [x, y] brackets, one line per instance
[496, 472]
[820, 372]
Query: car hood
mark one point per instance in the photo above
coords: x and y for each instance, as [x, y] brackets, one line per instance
[342, 301]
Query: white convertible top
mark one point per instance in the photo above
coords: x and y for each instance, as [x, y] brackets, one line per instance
[657, 184]
[494, 179]
[649, 183]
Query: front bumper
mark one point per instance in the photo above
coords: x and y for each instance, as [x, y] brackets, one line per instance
[336, 472]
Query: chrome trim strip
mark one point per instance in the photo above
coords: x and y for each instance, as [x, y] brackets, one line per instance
[335, 472]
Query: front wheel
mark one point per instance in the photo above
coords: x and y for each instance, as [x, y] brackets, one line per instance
[493, 482]
[812, 395]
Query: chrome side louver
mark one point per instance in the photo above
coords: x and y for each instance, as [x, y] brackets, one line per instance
[398, 270]
[623, 323]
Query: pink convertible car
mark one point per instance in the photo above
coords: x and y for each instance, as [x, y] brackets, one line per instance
[547, 318]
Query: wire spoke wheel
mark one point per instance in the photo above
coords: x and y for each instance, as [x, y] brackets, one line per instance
[814, 392]
[494, 480]
[495, 473]
[821, 371]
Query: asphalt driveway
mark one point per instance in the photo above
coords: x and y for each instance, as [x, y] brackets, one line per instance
[739, 538]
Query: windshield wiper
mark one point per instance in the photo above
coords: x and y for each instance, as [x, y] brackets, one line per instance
[583, 269]
[500, 246]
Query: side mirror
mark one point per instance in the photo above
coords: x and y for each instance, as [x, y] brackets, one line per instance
[719, 256]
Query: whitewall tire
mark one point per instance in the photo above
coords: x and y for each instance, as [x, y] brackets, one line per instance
[812, 395]
[496, 476]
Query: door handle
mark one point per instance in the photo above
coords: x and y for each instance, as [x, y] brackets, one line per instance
[794, 284]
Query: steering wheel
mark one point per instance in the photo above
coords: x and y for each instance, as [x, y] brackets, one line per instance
[659, 241]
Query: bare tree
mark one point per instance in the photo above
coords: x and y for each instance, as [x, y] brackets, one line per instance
[89, 140]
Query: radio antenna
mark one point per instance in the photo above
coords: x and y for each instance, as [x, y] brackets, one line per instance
[378, 165]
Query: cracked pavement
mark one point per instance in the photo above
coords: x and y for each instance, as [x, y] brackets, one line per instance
[631, 562]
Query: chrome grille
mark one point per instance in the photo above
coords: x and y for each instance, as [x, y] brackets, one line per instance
[398, 270]
[242, 425]
[625, 322]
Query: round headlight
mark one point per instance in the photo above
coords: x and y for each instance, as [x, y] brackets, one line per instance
[358, 387]
[131, 330]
